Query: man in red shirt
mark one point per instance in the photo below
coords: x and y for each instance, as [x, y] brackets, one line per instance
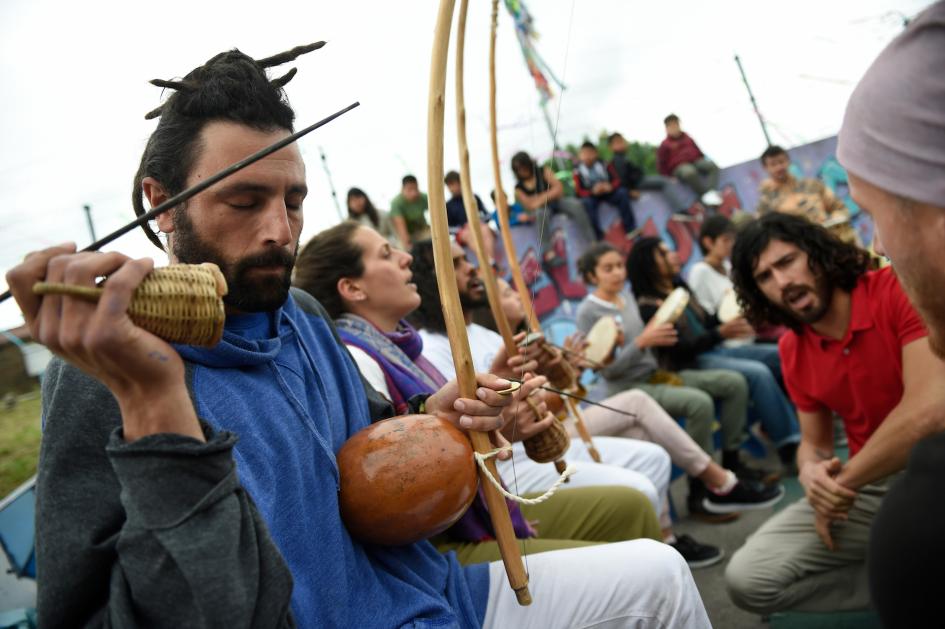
[856, 348]
[678, 156]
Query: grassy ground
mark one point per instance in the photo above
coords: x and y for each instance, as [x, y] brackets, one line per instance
[19, 442]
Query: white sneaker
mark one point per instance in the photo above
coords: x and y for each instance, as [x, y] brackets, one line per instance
[713, 198]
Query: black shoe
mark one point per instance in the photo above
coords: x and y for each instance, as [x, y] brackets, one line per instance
[745, 496]
[731, 460]
[697, 510]
[757, 475]
[697, 555]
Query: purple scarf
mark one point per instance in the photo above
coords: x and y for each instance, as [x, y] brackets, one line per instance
[398, 353]
[408, 374]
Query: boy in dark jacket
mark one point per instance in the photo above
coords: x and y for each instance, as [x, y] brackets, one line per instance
[596, 182]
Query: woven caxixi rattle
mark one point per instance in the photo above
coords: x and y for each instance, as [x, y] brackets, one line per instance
[181, 303]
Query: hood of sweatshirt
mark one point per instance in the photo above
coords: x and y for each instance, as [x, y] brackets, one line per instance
[248, 339]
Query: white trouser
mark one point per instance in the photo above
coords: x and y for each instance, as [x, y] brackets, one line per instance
[641, 465]
[640, 584]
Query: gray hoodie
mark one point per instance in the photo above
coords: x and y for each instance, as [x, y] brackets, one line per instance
[631, 364]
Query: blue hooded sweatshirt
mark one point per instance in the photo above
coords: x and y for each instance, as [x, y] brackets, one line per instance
[287, 387]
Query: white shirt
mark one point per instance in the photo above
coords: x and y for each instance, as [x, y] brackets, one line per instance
[708, 285]
[370, 369]
[483, 343]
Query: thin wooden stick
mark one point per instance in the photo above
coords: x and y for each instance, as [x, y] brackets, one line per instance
[501, 202]
[502, 209]
[177, 199]
[449, 294]
[580, 398]
[551, 444]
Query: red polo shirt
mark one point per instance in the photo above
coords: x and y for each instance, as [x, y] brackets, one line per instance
[860, 376]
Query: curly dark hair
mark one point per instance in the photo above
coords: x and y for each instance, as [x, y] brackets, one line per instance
[329, 256]
[839, 263]
[642, 271]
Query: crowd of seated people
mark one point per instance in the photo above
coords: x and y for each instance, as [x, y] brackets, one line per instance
[214, 470]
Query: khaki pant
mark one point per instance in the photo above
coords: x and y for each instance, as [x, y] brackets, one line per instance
[696, 403]
[785, 565]
[572, 518]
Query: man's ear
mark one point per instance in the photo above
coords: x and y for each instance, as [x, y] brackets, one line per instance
[156, 195]
[349, 290]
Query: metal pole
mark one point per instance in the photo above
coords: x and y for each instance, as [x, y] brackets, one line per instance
[331, 184]
[554, 140]
[764, 128]
[88, 218]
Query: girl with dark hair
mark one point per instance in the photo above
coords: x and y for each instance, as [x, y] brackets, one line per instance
[689, 393]
[366, 285]
[653, 270]
[362, 211]
[540, 193]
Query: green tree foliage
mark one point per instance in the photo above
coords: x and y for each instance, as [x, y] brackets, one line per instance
[642, 154]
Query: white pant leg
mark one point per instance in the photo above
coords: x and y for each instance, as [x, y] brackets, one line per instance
[638, 464]
[640, 584]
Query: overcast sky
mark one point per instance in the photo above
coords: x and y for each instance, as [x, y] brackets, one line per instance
[74, 87]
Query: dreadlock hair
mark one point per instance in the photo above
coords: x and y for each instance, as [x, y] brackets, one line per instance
[587, 263]
[327, 258]
[713, 227]
[430, 313]
[840, 263]
[369, 208]
[641, 268]
[229, 87]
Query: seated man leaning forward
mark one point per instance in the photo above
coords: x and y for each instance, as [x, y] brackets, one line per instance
[858, 349]
[148, 516]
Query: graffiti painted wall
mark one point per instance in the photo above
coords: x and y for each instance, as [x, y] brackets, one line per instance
[558, 291]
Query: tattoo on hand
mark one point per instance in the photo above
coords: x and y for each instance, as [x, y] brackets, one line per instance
[156, 355]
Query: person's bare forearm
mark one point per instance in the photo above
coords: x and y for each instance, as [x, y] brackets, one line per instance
[400, 226]
[810, 452]
[169, 410]
[887, 449]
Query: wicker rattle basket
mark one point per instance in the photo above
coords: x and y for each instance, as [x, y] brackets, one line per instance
[180, 303]
[549, 445]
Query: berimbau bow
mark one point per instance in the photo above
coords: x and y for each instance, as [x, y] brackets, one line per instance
[550, 445]
[570, 380]
[452, 310]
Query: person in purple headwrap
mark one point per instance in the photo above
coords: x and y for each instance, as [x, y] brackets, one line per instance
[892, 144]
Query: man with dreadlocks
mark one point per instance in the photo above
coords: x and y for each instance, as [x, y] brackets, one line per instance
[857, 348]
[149, 516]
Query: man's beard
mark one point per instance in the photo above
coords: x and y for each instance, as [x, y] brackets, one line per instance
[244, 293]
[923, 290]
[823, 292]
[468, 302]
